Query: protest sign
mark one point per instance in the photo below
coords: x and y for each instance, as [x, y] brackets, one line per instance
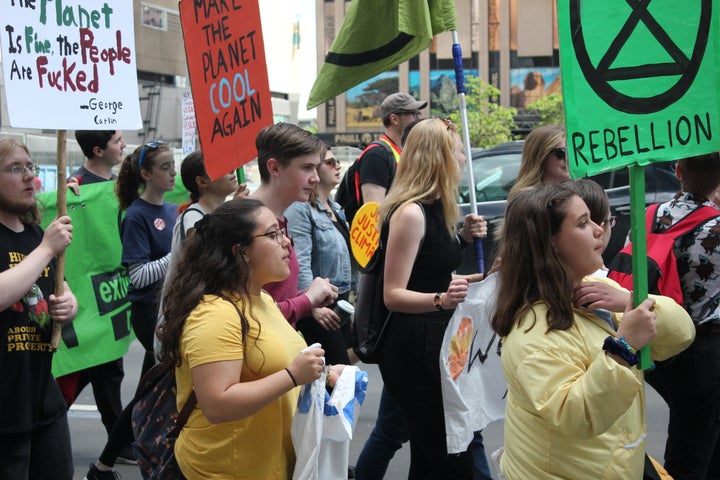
[228, 77]
[101, 330]
[189, 125]
[364, 233]
[471, 376]
[69, 64]
[639, 82]
[639, 86]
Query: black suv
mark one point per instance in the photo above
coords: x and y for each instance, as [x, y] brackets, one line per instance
[496, 168]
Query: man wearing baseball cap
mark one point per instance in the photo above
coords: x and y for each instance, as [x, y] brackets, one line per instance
[377, 168]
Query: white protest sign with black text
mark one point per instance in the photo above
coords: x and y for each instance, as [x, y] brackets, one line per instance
[69, 64]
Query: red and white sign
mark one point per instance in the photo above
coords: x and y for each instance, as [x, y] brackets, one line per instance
[228, 77]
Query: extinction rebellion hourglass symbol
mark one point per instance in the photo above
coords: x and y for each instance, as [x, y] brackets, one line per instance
[600, 75]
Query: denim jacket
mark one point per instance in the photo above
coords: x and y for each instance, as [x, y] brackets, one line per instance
[320, 247]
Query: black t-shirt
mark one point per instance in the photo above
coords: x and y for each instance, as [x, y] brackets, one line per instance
[86, 177]
[377, 166]
[29, 396]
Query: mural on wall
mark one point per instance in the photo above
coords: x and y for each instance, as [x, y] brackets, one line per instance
[443, 94]
[528, 85]
[363, 101]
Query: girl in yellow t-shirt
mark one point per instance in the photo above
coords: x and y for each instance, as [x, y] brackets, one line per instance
[231, 344]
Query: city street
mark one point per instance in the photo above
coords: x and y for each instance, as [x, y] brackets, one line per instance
[88, 434]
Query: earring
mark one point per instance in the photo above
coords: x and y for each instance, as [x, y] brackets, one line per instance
[246, 259]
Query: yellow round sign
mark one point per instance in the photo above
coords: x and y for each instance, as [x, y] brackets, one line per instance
[364, 233]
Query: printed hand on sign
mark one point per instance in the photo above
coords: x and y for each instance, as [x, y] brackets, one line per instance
[364, 233]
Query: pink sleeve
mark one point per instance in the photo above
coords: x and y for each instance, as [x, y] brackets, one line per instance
[293, 304]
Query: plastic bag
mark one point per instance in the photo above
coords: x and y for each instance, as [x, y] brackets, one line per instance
[323, 425]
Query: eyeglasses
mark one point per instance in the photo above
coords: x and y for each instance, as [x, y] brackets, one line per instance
[21, 169]
[559, 152]
[279, 234]
[610, 222]
[144, 148]
[413, 113]
[332, 161]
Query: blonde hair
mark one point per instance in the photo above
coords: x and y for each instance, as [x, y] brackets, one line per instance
[427, 170]
[538, 145]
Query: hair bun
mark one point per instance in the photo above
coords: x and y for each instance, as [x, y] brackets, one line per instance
[202, 224]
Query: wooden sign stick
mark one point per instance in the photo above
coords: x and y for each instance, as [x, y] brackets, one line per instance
[62, 210]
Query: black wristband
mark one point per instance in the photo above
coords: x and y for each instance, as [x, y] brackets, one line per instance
[615, 347]
[291, 377]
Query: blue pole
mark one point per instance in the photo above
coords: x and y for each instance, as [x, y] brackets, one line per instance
[460, 85]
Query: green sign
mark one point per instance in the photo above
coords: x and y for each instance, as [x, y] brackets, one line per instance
[639, 81]
[101, 331]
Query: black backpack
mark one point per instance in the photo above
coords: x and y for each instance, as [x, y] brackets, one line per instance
[348, 193]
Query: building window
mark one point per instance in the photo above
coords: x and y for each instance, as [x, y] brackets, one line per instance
[154, 17]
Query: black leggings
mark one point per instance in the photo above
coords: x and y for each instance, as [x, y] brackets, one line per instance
[120, 436]
[143, 317]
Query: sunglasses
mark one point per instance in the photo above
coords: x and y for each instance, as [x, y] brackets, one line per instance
[332, 162]
[413, 113]
[559, 152]
[448, 123]
[144, 149]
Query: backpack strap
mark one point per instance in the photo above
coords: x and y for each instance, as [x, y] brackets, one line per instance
[392, 148]
[691, 221]
[183, 234]
[151, 378]
[651, 217]
[184, 414]
[371, 145]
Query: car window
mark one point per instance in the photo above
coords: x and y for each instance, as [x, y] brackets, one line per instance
[621, 178]
[603, 179]
[494, 177]
[613, 179]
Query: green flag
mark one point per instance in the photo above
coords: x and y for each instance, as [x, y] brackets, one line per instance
[376, 36]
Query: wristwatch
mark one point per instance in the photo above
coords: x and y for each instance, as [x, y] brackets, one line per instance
[437, 301]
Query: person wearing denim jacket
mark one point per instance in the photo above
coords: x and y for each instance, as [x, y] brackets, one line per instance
[320, 246]
[320, 235]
